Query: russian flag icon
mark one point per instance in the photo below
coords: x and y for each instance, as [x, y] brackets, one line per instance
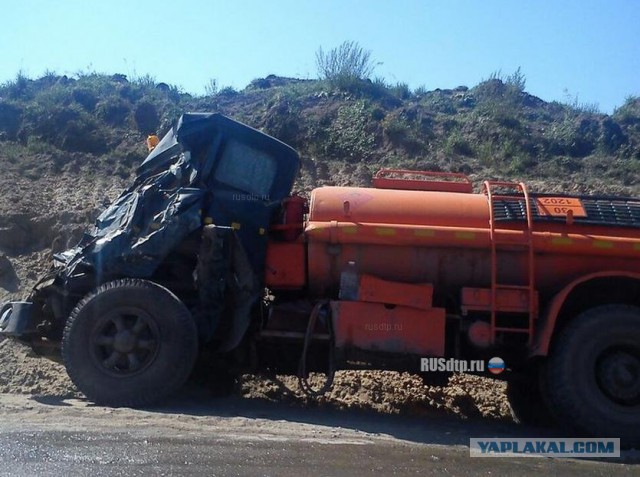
[496, 365]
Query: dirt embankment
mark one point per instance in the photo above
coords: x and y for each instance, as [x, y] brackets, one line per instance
[389, 392]
[24, 372]
[42, 216]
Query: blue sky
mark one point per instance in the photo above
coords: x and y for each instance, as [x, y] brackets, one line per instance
[589, 49]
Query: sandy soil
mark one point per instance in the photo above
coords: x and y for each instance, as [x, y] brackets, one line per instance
[384, 392]
[41, 216]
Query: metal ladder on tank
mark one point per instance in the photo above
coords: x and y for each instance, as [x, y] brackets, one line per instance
[526, 245]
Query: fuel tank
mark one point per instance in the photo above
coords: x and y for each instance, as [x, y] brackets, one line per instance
[445, 238]
[406, 207]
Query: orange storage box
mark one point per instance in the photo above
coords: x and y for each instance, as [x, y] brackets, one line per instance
[393, 329]
[376, 290]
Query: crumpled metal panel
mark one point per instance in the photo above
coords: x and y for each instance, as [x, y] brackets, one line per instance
[138, 230]
[174, 187]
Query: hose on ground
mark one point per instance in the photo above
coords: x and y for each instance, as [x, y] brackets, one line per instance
[303, 378]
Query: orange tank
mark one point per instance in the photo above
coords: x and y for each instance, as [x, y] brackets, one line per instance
[446, 238]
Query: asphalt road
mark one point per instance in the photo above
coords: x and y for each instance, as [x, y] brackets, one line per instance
[194, 436]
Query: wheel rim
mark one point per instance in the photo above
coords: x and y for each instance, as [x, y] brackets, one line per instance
[125, 341]
[618, 375]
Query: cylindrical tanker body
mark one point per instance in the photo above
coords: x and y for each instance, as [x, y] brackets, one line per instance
[445, 238]
[548, 283]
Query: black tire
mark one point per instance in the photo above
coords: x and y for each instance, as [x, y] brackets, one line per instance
[129, 343]
[527, 401]
[593, 373]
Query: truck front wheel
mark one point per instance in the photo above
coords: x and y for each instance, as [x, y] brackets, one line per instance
[593, 373]
[129, 343]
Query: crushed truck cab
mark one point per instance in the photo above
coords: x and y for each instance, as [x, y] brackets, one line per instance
[208, 257]
[207, 170]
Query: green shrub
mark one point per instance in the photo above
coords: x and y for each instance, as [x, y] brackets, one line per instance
[522, 163]
[227, 91]
[457, 144]
[282, 121]
[611, 136]
[18, 88]
[438, 102]
[421, 90]
[501, 98]
[629, 113]
[350, 136]
[395, 129]
[82, 134]
[211, 88]
[86, 98]
[401, 91]
[575, 136]
[100, 85]
[145, 81]
[579, 107]
[10, 119]
[146, 117]
[113, 110]
[345, 65]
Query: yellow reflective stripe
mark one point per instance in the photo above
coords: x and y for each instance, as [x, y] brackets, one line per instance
[561, 241]
[637, 246]
[208, 220]
[465, 235]
[385, 231]
[424, 233]
[235, 225]
[602, 244]
[350, 230]
[316, 230]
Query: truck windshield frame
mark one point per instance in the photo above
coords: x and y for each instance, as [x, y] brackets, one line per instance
[246, 168]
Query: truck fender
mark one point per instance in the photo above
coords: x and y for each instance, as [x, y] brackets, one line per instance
[544, 333]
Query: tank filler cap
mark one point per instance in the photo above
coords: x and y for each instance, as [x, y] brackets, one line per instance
[346, 206]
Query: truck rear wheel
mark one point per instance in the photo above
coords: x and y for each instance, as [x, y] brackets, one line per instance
[129, 343]
[593, 373]
[527, 400]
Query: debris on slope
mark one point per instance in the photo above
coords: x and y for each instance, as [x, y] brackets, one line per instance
[387, 392]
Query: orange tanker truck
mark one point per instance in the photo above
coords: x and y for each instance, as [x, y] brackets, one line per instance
[208, 257]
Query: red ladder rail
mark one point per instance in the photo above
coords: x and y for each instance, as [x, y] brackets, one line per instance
[527, 244]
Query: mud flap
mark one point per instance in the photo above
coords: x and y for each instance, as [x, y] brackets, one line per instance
[16, 319]
[227, 287]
